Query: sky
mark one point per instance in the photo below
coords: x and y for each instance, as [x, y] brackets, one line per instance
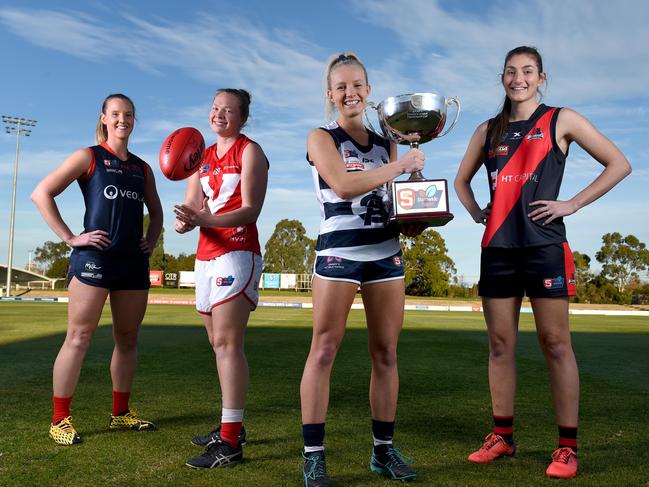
[60, 59]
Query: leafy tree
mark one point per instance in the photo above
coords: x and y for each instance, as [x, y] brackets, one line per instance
[428, 268]
[157, 260]
[583, 275]
[54, 257]
[183, 262]
[289, 249]
[622, 259]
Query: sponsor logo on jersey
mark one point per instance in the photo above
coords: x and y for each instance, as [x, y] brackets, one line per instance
[334, 263]
[537, 134]
[573, 279]
[384, 160]
[501, 150]
[91, 266]
[92, 275]
[516, 136]
[217, 171]
[349, 153]
[111, 192]
[518, 178]
[365, 159]
[353, 165]
[224, 281]
[553, 282]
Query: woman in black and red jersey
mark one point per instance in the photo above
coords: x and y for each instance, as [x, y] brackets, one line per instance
[524, 247]
[109, 258]
[224, 198]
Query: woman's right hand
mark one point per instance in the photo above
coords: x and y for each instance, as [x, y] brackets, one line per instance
[97, 239]
[183, 227]
[412, 161]
[483, 216]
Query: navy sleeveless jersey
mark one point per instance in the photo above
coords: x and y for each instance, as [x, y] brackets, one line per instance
[358, 228]
[113, 191]
[525, 166]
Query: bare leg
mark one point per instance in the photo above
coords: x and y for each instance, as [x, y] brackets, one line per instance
[501, 315]
[384, 303]
[551, 316]
[332, 301]
[128, 308]
[84, 310]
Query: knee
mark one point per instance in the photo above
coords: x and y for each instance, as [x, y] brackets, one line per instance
[500, 347]
[555, 347]
[384, 357]
[126, 340]
[78, 340]
[224, 346]
[323, 353]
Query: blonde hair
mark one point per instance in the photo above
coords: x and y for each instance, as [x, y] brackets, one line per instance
[101, 133]
[346, 58]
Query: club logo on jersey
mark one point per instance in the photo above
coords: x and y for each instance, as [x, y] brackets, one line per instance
[349, 153]
[573, 279]
[331, 258]
[334, 263]
[537, 134]
[501, 150]
[224, 281]
[397, 260]
[204, 169]
[91, 266]
[111, 192]
[553, 282]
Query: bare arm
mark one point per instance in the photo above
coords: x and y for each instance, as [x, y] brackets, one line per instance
[54, 184]
[347, 185]
[471, 162]
[152, 202]
[572, 127]
[254, 179]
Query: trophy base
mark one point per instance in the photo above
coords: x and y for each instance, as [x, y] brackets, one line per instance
[422, 201]
[434, 220]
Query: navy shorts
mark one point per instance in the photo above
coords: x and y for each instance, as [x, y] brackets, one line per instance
[112, 272]
[547, 271]
[359, 272]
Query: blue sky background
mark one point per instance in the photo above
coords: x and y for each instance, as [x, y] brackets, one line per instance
[60, 59]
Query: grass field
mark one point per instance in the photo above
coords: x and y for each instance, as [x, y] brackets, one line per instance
[443, 407]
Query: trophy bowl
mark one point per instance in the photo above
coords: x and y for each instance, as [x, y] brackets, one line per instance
[415, 118]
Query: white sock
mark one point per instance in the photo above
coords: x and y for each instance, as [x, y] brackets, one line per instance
[310, 449]
[231, 415]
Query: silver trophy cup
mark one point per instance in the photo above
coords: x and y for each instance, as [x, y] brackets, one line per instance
[415, 119]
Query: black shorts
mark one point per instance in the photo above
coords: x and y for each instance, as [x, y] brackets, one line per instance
[547, 271]
[359, 272]
[112, 272]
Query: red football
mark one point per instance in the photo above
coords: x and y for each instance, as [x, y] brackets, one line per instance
[181, 153]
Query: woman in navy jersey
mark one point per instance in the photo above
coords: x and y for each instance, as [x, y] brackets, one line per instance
[351, 167]
[109, 258]
[224, 198]
[524, 247]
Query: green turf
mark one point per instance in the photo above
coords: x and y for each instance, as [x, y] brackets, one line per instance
[443, 407]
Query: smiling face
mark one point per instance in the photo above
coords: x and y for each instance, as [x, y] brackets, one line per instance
[348, 89]
[225, 115]
[118, 118]
[521, 78]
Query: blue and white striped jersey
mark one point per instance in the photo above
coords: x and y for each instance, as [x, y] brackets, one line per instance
[355, 229]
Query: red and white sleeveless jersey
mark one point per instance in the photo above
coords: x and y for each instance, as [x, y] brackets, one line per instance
[221, 182]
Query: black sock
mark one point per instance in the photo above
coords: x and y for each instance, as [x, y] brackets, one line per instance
[568, 437]
[313, 434]
[382, 431]
[504, 427]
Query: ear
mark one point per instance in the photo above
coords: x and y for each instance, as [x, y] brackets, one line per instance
[369, 88]
[329, 96]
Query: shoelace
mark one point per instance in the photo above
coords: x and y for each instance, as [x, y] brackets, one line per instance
[66, 425]
[316, 467]
[397, 457]
[562, 455]
[490, 440]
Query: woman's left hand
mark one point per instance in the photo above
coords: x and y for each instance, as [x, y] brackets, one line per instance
[194, 217]
[550, 210]
[146, 247]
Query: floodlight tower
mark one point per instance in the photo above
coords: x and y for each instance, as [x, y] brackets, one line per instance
[15, 125]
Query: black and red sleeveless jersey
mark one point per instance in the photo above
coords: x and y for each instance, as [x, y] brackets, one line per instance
[113, 191]
[527, 165]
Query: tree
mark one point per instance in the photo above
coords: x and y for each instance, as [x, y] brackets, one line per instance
[428, 269]
[583, 275]
[622, 259]
[157, 259]
[54, 257]
[289, 249]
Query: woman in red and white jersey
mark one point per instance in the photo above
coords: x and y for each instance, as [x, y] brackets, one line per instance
[224, 198]
[524, 248]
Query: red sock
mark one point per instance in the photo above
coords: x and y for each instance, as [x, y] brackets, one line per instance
[120, 402]
[230, 433]
[61, 408]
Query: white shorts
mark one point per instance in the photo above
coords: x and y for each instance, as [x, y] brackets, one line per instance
[225, 277]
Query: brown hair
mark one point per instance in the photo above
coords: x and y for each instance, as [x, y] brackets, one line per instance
[244, 101]
[498, 125]
[344, 59]
[101, 133]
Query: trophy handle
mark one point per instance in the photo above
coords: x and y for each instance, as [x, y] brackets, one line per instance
[456, 102]
[370, 104]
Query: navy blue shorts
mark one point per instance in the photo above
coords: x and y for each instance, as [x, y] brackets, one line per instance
[547, 271]
[359, 272]
[112, 272]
